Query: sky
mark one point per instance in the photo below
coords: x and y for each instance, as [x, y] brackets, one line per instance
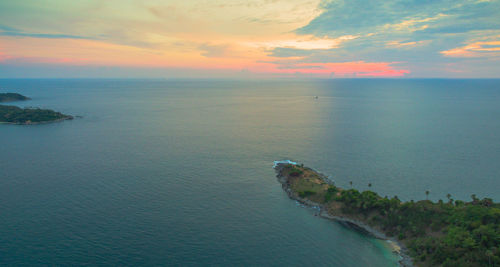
[249, 39]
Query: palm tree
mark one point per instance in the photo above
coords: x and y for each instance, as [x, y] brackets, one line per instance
[350, 182]
[489, 253]
[427, 194]
[370, 185]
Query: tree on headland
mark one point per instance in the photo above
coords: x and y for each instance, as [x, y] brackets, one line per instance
[457, 233]
[489, 253]
[474, 198]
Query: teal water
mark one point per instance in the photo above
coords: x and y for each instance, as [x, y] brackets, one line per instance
[180, 172]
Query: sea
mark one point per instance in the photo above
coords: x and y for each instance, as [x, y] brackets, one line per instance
[179, 172]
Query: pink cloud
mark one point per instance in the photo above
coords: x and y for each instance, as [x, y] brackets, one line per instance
[356, 68]
[3, 57]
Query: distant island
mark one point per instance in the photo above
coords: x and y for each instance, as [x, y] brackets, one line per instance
[9, 97]
[17, 115]
[452, 233]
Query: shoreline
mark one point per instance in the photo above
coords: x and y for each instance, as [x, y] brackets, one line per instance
[24, 113]
[355, 224]
[40, 122]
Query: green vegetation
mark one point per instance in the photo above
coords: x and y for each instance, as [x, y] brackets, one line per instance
[455, 233]
[8, 97]
[17, 115]
[331, 192]
[306, 193]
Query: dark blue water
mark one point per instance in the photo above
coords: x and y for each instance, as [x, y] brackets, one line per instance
[179, 172]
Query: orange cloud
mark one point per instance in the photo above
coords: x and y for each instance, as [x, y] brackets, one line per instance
[400, 44]
[94, 52]
[308, 42]
[219, 56]
[477, 49]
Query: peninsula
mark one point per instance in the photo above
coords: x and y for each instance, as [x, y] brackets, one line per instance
[452, 233]
[9, 97]
[17, 115]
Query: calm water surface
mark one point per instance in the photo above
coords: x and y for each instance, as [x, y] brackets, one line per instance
[179, 172]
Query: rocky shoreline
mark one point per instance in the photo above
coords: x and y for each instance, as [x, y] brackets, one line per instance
[355, 224]
[40, 122]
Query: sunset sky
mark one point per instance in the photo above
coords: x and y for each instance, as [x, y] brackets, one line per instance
[241, 38]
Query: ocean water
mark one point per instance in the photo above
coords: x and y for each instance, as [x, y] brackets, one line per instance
[180, 172]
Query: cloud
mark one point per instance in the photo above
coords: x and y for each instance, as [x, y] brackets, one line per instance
[425, 34]
[301, 66]
[308, 42]
[412, 25]
[20, 61]
[214, 50]
[42, 35]
[362, 49]
[341, 17]
[3, 57]
[403, 44]
[292, 52]
[13, 32]
[341, 69]
[7, 28]
[445, 23]
[426, 37]
[477, 49]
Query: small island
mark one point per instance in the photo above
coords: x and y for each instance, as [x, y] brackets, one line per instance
[17, 115]
[9, 97]
[452, 233]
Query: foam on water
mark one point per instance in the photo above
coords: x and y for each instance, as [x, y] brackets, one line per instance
[287, 161]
